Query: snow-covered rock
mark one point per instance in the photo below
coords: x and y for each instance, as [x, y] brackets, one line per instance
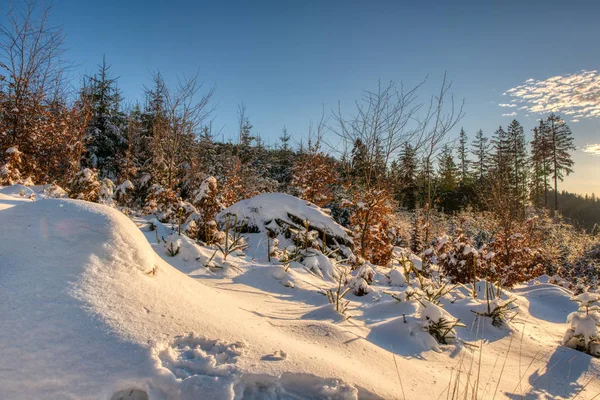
[278, 212]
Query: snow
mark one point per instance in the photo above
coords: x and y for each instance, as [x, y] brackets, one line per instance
[17, 190]
[583, 324]
[396, 278]
[261, 210]
[586, 298]
[90, 309]
[93, 305]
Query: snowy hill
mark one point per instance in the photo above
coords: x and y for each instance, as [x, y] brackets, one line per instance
[92, 305]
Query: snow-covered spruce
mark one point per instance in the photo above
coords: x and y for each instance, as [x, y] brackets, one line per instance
[583, 332]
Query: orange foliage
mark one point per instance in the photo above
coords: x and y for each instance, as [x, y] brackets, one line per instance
[370, 224]
[314, 175]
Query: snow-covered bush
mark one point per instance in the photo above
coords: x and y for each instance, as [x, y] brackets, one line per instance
[366, 272]
[162, 202]
[278, 213]
[586, 266]
[54, 191]
[107, 191]
[9, 171]
[85, 186]
[460, 260]
[318, 263]
[304, 237]
[498, 310]
[201, 224]
[583, 331]
[359, 286]
[438, 322]
[124, 194]
[433, 291]
[410, 263]
[233, 241]
[396, 277]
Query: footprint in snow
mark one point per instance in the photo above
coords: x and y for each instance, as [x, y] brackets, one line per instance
[194, 355]
[278, 355]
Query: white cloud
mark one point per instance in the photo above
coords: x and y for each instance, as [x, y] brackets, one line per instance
[592, 149]
[507, 105]
[577, 93]
[512, 114]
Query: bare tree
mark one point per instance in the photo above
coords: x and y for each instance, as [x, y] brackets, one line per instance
[35, 113]
[383, 122]
[30, 53]
[439, 119]
[183, 116]
[389, 118]
[435, 125]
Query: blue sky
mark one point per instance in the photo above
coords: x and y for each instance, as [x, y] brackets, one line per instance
[287, 59]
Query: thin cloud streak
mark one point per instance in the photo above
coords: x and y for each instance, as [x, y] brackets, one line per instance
[576, 95]
[592, 149]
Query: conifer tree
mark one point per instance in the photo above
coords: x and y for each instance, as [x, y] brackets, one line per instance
[405, 172]
[504, 172]
[448, 180]
[359, 163]
[283, 163]
[518, 165]
[447, 170]
[416, 234]
[463, 158]
[501, 155]
[207, 155]
[560, 143]
[85, 186]
[540, 159]
[106, 131]
[480, 149]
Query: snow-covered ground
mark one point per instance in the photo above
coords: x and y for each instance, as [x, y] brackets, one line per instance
[93, 304]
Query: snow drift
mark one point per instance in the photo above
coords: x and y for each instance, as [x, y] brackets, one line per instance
[89, 310]
[92, 307]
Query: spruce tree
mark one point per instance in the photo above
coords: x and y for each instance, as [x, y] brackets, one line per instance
[539, 166]
[560, 142]
[481, 151]
[359, 168]
[283, 163]
[447, 170]
[448, 176]
[154, 131]
[106, 130]
[463, 157]
[518, 165]
[405, 174]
